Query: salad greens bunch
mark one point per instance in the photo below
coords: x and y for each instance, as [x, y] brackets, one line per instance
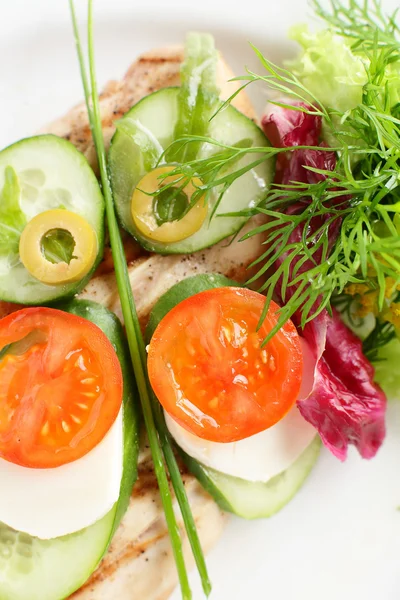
[348, 75]
[353, 68]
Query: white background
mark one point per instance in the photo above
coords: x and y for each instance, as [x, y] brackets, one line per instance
[340, 537]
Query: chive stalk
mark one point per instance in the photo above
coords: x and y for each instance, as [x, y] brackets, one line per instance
[136, 342]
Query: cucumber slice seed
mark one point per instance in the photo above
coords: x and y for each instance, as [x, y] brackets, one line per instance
[51, 174]
[157, 115]
[35, 569]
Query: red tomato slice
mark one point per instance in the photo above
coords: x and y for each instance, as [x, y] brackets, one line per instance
[60, 387]
[210, 373]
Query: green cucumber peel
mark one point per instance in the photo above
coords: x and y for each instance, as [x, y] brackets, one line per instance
[34, 569]
[199, 94]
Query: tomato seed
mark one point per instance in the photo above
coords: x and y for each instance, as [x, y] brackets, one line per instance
[213, 403]
[227, 333]
[82, 406]
[45, 429]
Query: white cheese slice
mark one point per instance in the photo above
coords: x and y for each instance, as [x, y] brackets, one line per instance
[49, 503]
[256, 458]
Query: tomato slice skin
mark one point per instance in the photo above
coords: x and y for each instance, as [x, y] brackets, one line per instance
[61, 387]
[210, 373]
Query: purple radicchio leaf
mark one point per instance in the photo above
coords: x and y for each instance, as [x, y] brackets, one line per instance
[344, 404]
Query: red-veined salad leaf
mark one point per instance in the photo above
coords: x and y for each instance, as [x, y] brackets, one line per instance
[328, 67]
[344, 405]
[286, 128]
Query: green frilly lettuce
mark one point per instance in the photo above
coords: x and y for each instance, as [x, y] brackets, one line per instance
[12, 219]
[334, 71]
[387, 372]
[338, 75]
[328, 68]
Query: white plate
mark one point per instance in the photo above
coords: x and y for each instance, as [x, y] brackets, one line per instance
[340, 537]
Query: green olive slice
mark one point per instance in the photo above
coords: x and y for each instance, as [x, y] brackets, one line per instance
[57, 273]
[153, 222]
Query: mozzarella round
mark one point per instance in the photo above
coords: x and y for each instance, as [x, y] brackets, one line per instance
[49, 503]
[261, 456]
[256, 458]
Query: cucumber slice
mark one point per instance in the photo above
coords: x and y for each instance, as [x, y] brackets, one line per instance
[255, 500]
[51, 174]
[34, 569]
[154, 119]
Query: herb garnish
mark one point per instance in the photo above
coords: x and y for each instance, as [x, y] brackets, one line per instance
[155, 426]
[366, 139]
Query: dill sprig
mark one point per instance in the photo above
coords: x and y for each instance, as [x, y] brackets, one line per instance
[362, 193]
[363, 22]
[158, 437]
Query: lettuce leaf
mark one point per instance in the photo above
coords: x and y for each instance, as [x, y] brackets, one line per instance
[334, 72]
[199, 95]
[328, 68]
[12, 219]
[387, 372]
